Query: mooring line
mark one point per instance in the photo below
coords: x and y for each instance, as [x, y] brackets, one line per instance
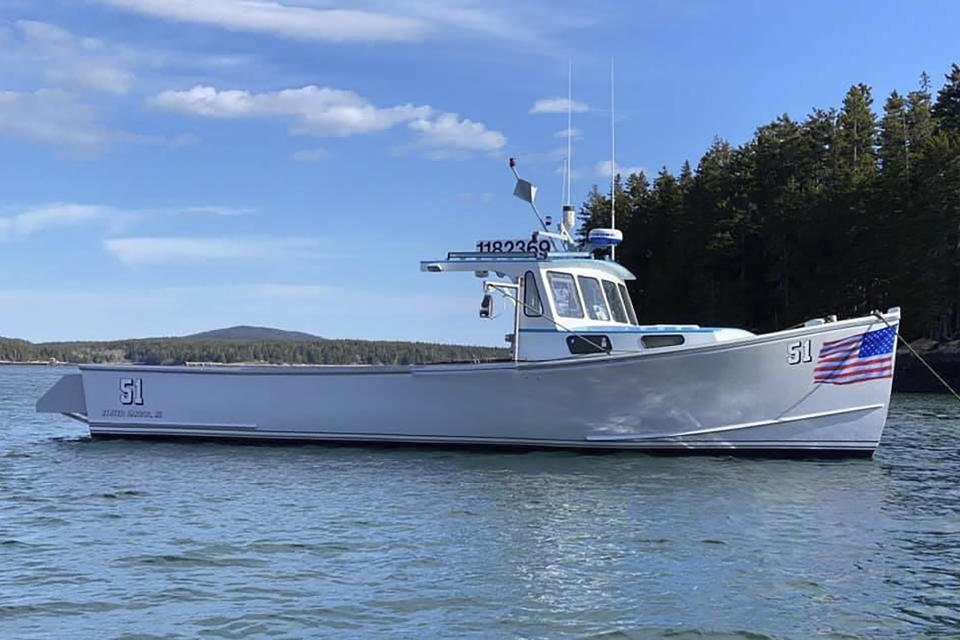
[919, 357]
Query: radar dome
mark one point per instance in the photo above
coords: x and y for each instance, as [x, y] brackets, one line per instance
[605, 237]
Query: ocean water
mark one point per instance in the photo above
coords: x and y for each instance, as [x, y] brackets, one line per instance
[129, 539]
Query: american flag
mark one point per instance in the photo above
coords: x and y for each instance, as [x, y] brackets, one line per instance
[865, 356]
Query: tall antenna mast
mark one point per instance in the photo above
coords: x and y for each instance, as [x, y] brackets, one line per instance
[569, 125]
[613, 165]
[569, 219]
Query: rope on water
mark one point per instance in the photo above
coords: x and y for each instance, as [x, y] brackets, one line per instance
[920, 358]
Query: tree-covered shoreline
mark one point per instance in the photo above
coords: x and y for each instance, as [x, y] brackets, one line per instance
[178, 351]
[843, 212]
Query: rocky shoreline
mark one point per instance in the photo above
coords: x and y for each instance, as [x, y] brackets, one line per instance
[912, 377]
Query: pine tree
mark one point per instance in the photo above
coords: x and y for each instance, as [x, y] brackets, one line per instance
[593, 214]
[920, 124]
[947, 108]
[856, 139]
[894, 146]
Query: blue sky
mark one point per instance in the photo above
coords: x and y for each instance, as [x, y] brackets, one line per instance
[172, 166]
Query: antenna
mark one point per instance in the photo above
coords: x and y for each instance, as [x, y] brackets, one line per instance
[569, 125]
[613, 165]
[569, 219]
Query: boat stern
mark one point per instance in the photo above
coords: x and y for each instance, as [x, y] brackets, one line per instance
[66, 397]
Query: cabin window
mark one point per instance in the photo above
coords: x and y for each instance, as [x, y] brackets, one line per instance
[654, 341]
[532, 306]
[613, 297]
[628, 302]
[593, 298]
[565, 295]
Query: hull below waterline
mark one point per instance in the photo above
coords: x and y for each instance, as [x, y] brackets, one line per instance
[821, 449]
[746, 396]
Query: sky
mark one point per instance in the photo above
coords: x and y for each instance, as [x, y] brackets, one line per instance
[174, 166]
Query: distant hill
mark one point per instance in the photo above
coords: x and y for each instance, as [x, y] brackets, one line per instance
[245, 344]
[245, 333]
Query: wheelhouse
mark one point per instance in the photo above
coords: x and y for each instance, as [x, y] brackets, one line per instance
[571, 304]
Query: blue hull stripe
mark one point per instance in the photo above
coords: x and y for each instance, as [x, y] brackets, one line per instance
[622, 330]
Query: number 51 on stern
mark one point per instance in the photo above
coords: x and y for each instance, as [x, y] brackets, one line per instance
[583, 373]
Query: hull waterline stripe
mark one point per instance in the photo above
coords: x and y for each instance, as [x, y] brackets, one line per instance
[179, 425]
[811, 445]
[732, 427]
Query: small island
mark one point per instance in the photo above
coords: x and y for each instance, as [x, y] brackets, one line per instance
[241, 345]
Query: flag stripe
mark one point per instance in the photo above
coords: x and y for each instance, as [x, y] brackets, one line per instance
[870, 377]
[846, 346]
[853, 372]
[848, 363]
[842, 341]
[857, 358]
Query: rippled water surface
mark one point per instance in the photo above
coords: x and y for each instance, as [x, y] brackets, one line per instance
[128, 539]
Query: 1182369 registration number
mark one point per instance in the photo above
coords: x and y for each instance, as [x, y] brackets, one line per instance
[540, 247]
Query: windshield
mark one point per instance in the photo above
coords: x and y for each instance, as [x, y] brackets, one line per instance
[565, 295]
[627, 301]
[593, 298]
[613, 297]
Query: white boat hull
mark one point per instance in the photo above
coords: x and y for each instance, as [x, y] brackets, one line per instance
[738, 396]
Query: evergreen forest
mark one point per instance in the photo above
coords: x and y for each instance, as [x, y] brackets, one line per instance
[845, 211]
[172, 351]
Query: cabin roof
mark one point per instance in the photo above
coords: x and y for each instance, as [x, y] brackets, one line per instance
[517, 263]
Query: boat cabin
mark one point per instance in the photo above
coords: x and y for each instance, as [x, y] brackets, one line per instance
[570, 305]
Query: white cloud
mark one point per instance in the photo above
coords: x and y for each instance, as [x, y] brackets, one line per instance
[52, 216]
[448, 133]
[67, 72]
[71, 61]
[61, 215]
[65, 121]
[322, 111]
[283, 20]
[54, 117]
[557, 105]
[602, 169]
[316, 110]
[310, 155]
[98, 78]
[574, 133]
[57, 118]
[163, 250]
[529, 28]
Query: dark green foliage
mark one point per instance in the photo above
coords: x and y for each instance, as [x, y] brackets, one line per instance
[947, 108]
[244, 333]
[184, 350]
[838, 213]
